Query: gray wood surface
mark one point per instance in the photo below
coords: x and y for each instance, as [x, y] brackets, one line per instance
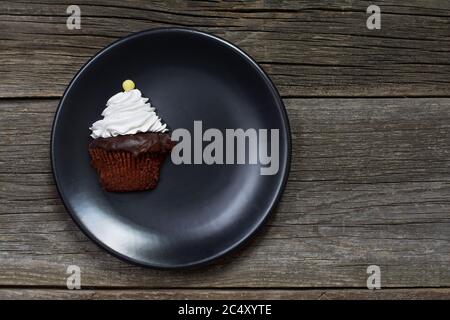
[309, 47]
[424, 294]
[369, 184]
[370, 175]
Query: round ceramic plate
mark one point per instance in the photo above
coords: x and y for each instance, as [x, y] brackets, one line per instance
[198, 212]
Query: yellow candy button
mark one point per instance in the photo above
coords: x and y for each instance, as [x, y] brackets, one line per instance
[128, 85]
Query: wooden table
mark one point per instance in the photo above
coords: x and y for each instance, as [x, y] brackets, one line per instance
[370, 175]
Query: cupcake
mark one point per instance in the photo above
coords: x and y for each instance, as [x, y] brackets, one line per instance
[130, 143]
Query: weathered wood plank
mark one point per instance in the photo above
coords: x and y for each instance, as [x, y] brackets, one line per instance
[369, 184]
[308, 48]
[400, 294]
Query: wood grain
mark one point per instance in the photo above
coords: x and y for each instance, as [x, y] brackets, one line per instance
[369, 184]
[370, 177]
[309, 48]
[183, 294]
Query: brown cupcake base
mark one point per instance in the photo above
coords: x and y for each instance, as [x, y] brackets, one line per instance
[130, 162]
[121, 171]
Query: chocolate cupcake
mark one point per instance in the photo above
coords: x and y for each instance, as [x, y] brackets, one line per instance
[130, 143]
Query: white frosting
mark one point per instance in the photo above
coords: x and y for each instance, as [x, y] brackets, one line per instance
[127, 113]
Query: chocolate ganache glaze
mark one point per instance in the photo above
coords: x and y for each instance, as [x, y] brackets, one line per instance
[136, 143]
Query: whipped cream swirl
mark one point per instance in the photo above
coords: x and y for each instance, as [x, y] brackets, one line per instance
[127, 113]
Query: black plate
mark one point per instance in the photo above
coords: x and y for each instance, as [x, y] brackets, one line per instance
[197, 212]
